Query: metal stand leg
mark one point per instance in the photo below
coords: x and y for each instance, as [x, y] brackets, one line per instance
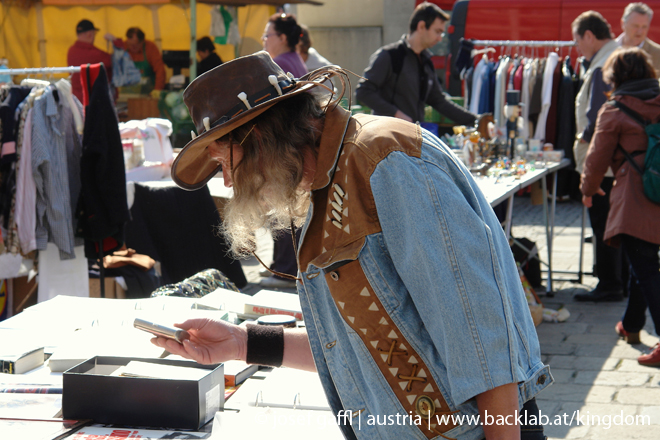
[548, 236]
[509, 217]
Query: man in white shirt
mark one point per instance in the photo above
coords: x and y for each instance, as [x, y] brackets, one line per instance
[635, 23]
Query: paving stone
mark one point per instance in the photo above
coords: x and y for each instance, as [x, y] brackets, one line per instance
[561, 361]
[625, 432]
[562, 432]
[561, 392]
[653, 413]
[601, 394]
[654, 382]
[627, 351]
[594, 338]
[611, 378]
[558, 348]
[563, 328]
[633, 366]
[637, 396]
[604, 328]
[594, 350]
[562, 376]
[549, 407]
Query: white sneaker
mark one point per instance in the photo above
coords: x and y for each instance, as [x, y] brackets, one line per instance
[277, 282]
[263, 273]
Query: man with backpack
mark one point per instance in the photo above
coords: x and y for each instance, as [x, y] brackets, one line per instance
[401, 80]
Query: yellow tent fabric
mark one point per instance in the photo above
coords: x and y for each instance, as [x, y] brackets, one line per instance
[19, 34]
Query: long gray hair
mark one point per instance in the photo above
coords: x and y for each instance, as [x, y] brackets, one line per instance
[267, 178]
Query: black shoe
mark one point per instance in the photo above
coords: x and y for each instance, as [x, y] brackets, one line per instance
[600, 295]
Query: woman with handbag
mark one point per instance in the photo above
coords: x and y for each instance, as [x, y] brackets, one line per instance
[634, 220]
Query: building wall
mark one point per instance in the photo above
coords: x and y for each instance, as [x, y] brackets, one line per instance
[347, 32]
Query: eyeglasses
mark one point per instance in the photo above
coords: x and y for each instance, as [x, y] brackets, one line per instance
[266, 36]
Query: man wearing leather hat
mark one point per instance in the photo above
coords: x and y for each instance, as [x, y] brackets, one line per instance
[412, 301]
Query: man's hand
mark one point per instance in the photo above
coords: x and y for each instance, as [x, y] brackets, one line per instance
[401, 115]
[210, 341]
[155, 94]
[586, 201]
[482, 124]
[109, 37]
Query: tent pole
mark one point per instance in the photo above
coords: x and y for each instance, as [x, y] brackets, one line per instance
[40, 34]
[193, 39]
[156, 22]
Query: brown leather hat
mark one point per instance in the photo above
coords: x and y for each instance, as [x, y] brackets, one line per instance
[225, 98]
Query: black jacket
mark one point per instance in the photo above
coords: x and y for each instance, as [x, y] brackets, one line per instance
[208, 63]
[102, 208]
[397, 79]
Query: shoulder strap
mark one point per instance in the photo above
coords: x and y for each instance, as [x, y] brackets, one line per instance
[397, 55]
[637, 117]
[630, 112]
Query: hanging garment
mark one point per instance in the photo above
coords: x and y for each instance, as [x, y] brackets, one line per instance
[224, 25]
[477, 84]
[567, 180]
[26, 192]
[500, 91]
[7, 108]
[469, 80]
[566, 109]
[124, 72]
[485, 101]
[525, 95]
[102, 209]
[546, 95]
[535, 102]
[517, 76]
[551, 122]
[56, 153]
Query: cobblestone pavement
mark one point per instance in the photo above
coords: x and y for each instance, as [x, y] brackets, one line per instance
[595, 372]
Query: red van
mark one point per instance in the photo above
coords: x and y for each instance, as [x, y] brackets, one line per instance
[528, 20]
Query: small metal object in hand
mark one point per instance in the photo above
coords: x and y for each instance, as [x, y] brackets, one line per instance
[160, 330]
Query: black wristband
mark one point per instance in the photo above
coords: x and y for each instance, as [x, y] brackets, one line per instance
[265, 345]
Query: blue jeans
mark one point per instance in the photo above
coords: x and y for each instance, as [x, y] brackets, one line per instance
[644, 283]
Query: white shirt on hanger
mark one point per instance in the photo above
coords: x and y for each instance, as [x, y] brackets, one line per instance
[500, 91]
[477, 83]
[546, 95]
[525, 97]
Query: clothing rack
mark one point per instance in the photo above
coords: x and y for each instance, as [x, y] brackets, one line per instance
[52, 71]
[527, 43]
[40, 70]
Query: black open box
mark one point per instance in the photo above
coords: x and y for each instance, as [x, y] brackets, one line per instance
[89, 392]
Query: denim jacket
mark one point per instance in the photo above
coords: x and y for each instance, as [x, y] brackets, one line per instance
[412, 300]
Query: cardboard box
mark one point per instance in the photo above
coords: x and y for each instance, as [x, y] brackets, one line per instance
[112, 288]
[90, 392]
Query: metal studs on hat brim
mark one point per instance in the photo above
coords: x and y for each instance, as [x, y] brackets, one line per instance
[225, 98]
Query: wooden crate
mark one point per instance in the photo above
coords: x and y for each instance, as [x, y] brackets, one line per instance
[142, 108]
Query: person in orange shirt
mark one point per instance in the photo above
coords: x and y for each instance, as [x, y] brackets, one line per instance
[145, 55]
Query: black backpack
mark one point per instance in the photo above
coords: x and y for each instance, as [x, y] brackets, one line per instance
[651, 172]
